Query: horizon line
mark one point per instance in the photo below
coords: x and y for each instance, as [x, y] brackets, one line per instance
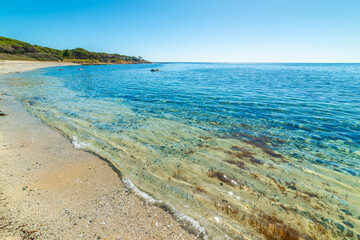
[255, 62]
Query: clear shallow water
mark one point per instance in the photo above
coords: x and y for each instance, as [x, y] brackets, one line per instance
[235, 146]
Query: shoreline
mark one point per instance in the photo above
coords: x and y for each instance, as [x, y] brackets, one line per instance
[9, 66]
[53, 190]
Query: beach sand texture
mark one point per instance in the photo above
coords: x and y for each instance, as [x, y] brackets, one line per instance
[50, 190]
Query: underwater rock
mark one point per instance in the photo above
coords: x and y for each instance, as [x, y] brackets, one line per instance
[291, 185]
[324, 219]
[347, 212]
[256, 161]
[2, 114]
[347, 223]
[339, 226]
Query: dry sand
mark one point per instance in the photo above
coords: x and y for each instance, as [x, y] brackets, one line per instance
[7, 67]
[50, 190]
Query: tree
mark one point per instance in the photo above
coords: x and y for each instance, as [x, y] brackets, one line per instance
[67, 54]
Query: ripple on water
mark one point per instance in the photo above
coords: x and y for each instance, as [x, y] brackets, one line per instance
[238, 150]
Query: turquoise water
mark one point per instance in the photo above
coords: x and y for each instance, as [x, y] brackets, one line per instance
[210, 139]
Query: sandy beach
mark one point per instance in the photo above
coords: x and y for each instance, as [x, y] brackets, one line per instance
[51, 190]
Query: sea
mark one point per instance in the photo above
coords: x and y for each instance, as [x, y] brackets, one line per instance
[233, 151]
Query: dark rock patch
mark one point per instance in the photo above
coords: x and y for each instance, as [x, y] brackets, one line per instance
[256, 161]
[349, 224]
[347, 212]
[340, 227]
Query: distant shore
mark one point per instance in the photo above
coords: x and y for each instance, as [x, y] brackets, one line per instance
[51, 190]
[12, 49]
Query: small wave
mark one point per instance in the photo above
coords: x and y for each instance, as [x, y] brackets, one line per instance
[80, 145]
[186, 221]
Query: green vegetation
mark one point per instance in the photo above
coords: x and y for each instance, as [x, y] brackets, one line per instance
[11, 49]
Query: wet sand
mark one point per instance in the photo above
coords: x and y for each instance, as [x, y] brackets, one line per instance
[51, 190]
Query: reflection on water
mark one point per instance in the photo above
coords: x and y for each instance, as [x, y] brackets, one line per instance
[250, 151]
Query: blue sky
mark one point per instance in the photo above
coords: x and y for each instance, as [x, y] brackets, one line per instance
[193, 30]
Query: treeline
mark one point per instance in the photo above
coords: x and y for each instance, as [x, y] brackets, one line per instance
[15, 49]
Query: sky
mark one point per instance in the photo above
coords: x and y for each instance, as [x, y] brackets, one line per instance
[192, 30]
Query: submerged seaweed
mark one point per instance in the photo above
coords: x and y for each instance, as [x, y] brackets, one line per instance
[236, 163]
[273, 228]
[224, 178]
[265, 149]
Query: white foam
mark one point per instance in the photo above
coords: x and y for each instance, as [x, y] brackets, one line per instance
[196, 227]
[146, 197]
[185, 220]
[80, 145]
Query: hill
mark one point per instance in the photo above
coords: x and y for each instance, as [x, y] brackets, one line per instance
[11, 49]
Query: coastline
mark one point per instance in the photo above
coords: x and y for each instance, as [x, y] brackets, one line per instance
[9, 66]
[50, 189]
